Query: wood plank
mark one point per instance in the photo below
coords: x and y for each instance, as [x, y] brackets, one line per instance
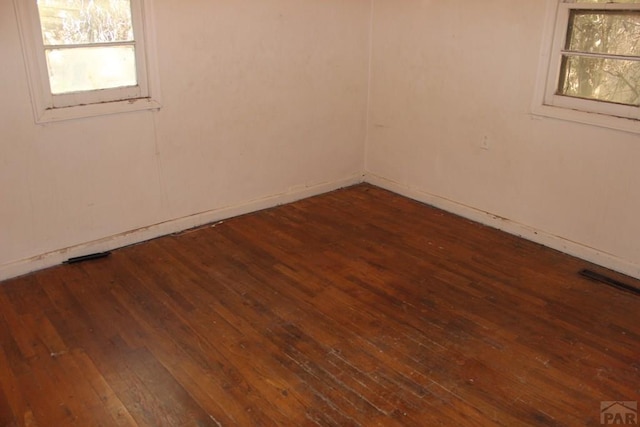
[358, 307]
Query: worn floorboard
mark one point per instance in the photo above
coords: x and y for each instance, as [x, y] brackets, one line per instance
[357, 307]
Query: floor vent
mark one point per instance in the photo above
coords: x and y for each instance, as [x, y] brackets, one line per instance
[590, 274]
[87, 257]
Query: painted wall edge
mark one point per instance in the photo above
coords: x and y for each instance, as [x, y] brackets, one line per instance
[578, 250]
[53, 258]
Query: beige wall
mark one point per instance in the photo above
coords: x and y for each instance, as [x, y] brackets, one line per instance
[264, 102]
[445, 74]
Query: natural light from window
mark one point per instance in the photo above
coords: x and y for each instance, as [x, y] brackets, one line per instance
[590, 63]
[89, 44]
[601, 56]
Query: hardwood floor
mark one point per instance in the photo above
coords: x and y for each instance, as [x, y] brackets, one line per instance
[358, 307]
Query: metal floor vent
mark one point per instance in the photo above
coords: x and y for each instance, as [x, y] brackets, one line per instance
[590, 274]
[87, 257]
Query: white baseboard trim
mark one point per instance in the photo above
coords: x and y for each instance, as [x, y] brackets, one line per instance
[50, 259]
[555, 242]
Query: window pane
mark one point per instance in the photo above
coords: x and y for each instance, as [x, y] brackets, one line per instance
[611, 80]
[606, 32]
[66, 22]
[91, 68]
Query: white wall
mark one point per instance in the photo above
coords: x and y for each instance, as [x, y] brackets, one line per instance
[445, 74]
[264, 102]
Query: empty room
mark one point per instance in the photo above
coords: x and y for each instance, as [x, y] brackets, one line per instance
[319, 212]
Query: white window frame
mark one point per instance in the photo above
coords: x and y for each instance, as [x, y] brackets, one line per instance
[546, 100]
[50, 108]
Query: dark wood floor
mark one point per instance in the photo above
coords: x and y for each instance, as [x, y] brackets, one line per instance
[358, 307]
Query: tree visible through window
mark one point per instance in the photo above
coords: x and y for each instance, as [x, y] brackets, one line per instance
[89, 44]
[592, 63]
[88, 57]
[601, 57]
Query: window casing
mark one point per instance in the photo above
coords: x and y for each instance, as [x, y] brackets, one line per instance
[590, 68]
[53, 99]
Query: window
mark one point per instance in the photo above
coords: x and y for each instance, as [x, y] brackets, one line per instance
[88, 57]
[591, 66]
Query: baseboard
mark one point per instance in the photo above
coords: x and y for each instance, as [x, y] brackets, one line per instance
[53, 258]
[130, 237]
[539, 236]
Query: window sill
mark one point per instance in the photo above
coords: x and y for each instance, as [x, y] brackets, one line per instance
[93, 110]
[594, 119]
